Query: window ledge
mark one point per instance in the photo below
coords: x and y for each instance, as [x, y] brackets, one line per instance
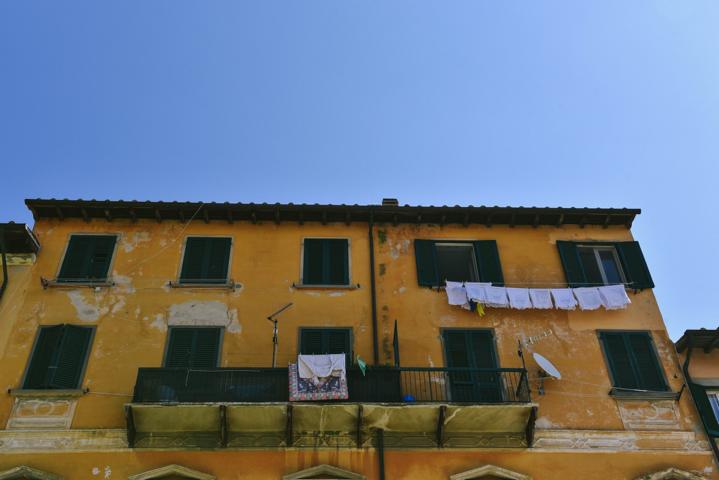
[49, 392]
[624, 394]
[55, 283]
[228, 285]
[303, 286]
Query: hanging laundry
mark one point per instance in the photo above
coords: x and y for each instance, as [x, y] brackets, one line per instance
[541, 298]
[362, 365]
[327, 388]
[519, 298]
[614, 297]
[321, 366]
[496, 297]
[476, 292]
[564, 298]
[588, 298]
[456, 294]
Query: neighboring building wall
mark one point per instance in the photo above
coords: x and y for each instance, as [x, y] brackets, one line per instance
[582, 432]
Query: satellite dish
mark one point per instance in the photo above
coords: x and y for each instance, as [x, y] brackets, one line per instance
[547, 366]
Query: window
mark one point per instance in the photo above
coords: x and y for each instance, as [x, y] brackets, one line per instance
[604, 263]
[206, 260]
[632, 361]
[59, 357]
[193, 347]
[470, 261]
[319, 341]
[87, 258]
[601, 265]
[325, 261]
[457, 262]
[714, 402]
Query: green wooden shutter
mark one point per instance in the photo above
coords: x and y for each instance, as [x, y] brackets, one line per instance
[218, 260]
[634, 265]
[572, 265]
[76, 264]
[312, 262]
[488, 264]
[619, 360]
[102, 248]
[179, 348]
[207, 348]
[193, 259]
[87, 258]
[699, 393]
[455, 347]
[46, 347]
[425, 256]
[337, 262]
[311, 341]
[645, 362]
[482, 349]
[70, 361]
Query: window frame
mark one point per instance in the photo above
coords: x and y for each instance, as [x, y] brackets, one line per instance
[110, 265]
[609, 363]
[457, 243]
[350, 354]
[326, 285]
[228, 277]
[220, 341]
[596, 248]
[85, 362]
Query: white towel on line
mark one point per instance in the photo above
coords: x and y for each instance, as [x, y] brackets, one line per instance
[614, 297]
[496, 297]
[476, 291]
[456, 293]
[519, 298]
[588, 298]
[564, 298]
[541, 298]
[320, 366]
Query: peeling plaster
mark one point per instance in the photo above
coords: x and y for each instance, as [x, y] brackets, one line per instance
[545, 423]
[204, 313]
[129, 242]
[159, 322]
[85, 311]
[118, 306]
[336, 294]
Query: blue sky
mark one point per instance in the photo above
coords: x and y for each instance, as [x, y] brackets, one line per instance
[602, 103]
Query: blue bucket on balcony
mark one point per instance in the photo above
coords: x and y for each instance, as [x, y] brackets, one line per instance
[409, 398]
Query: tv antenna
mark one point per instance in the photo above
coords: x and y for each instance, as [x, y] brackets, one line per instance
[546, 370]
[275, 340]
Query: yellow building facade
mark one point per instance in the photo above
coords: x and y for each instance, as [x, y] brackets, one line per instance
[135, 344]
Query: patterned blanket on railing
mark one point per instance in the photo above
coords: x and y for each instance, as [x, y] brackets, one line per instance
[327, 388]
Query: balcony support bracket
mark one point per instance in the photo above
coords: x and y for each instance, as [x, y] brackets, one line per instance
[288, 427]
[359, 425]
[440, 425]
[130, 420]
[529, 432]
[223, 426]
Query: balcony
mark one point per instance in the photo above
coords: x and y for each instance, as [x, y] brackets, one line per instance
[413, 407]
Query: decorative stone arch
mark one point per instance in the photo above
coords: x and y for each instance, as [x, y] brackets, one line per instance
[490, 471]
[175, 471]
[671, 474]
[326, 472]
[27, 473]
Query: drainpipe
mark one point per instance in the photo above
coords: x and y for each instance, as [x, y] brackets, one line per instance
[373, 289]
[380, 453]
[689, 380]
[4, 262]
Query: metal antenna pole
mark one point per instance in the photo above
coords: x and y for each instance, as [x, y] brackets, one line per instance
[275, 336]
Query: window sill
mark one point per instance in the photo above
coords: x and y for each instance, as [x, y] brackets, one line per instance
[49, 392]
[228, 285]
[75, 284]
[622, 394]
[302, 286]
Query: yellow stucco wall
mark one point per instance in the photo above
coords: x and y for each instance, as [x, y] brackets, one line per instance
[131, 321]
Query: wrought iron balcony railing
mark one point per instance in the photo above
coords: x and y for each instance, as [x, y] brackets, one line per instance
[378, 385]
